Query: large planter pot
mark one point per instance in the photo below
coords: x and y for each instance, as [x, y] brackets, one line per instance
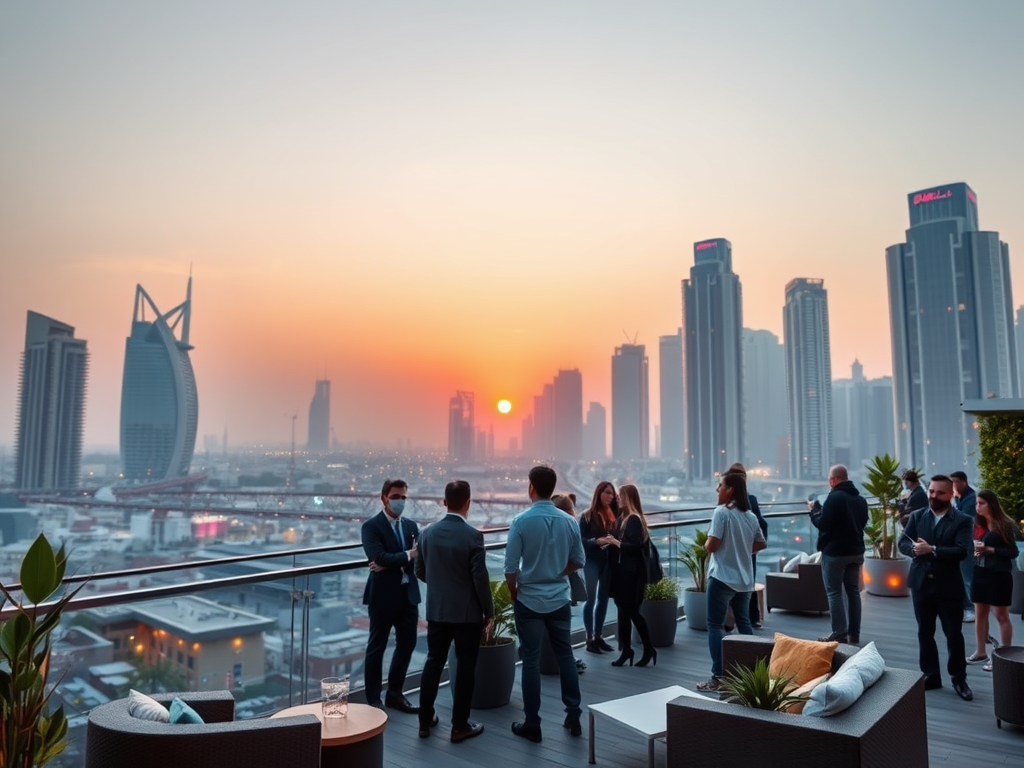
[1017, 601]
[661, 621]
[886, 578]
[695, 606]
[495, 673]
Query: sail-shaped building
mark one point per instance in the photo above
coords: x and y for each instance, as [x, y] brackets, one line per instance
[159, 402]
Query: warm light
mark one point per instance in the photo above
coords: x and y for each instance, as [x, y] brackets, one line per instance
[237, 642]
[504, 406]
[894, 581]
[867, 576]
[138, 648]
[195, 646]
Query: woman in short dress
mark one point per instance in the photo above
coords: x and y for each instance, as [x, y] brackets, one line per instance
[995, 548]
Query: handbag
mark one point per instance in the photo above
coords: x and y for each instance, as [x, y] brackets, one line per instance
[652, 563]
[577, 588]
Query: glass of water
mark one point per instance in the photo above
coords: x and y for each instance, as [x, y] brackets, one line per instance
[334, 696]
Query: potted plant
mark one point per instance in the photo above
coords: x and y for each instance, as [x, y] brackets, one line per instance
[661, 608]
[496, 662]
[757, 688]
[885, 568]
[30, 733]
[695, 558]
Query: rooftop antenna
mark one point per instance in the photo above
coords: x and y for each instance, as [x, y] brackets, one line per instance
[633, 340]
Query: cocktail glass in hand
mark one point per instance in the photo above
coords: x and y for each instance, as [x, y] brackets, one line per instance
[334, 696]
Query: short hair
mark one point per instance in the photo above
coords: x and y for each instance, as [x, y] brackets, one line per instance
[958, 475]
[456, 494]
[391, 484]
[543, 479]
[565, 503]
[839, 472]
[736, 469]
[911, 476]
[942, 479]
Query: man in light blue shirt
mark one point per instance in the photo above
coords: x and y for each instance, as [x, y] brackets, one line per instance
[544, 547]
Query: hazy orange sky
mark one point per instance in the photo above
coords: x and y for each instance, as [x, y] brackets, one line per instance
[422, 197]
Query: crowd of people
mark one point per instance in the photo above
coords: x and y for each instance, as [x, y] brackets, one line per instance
[943, 527]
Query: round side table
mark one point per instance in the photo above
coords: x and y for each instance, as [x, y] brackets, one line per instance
[357, 739]
[1008, 684]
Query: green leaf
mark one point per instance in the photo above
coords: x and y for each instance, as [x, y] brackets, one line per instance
[39, 571]
[14, 636]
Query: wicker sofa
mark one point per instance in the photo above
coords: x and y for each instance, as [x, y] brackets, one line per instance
[802, 590]
[887, 726]
[115, 739]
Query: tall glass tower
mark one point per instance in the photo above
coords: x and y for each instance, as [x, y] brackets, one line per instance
[808, 378]
[951, 315]
[320, 417]
[670, 376]
[713, 360]
[630, 409]
[159, 402]
[51, 406]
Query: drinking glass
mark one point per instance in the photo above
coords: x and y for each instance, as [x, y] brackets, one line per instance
[334, 696]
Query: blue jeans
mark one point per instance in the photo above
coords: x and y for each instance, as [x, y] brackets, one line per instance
[596, 608]
[842, 577]
[530, 627]
[967, 571]
[720, 598]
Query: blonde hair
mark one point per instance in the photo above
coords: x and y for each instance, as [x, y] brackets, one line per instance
[629, 498]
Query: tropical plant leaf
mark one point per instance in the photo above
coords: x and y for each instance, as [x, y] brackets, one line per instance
[757, 688]
[39, 571]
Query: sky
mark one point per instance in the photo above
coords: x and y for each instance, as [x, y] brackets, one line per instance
[412, 198]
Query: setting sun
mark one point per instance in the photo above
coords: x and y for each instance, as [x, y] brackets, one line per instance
[504, 406]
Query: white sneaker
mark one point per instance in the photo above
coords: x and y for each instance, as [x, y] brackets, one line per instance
[968, 617]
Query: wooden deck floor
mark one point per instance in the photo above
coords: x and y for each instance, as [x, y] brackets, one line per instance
[960, 733]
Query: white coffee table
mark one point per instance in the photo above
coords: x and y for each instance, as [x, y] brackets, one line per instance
[644, 714]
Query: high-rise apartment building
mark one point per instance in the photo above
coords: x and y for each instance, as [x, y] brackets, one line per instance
[1020, 349]
[670, 379]
[567, 416]
[862, 424]
[713, 360]
[320, 418]
[630, 411]
[51, 406]
[951, 315]
[765, 425]
[159, 399]
[595, 441]
[461, 426]
[808, 378]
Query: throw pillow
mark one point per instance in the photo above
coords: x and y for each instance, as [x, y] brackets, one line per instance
[790, 566]
[805, 691]
[858, 673]
[814, 559]
[868, 662]
[145, 707]
[183, 713]
[803, 659]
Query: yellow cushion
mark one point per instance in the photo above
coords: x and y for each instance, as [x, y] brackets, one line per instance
[804, 691]
[803, 659]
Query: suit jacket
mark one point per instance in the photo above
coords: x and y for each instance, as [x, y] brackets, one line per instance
[451, 563]
[381, 547]
[951, 537]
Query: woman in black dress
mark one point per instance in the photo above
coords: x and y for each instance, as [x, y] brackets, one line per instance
[629, 576]
[995, 548]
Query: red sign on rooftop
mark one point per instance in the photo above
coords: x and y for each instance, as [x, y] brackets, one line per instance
[931, 197]
[706, 244]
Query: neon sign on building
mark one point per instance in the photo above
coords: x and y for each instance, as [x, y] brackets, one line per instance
[931, 197]
[972, 197]
[705, 245]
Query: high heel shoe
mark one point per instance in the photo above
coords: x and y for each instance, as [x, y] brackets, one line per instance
[627, 655]
[593, 647]
[650, 657]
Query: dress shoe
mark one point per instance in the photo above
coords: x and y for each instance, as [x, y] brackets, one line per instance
[399, 702]
[599, 641]
[836, 637]
[527, 732]
[853, 639]
[572, 724]
[425, 729]
[467, 731]
[931, 682]
[963, 690]
[593, 647]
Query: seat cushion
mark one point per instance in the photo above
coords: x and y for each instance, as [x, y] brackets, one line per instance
[858, 673]
[804, 660]
[143, 707]
[183, 713]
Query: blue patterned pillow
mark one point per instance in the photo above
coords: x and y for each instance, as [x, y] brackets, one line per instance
[144, 707]
[183, 713]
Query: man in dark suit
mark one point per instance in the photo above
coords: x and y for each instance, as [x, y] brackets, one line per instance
[938, 538]
[392, 596]
[451, 563]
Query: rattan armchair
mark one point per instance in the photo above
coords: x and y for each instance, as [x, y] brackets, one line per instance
[802, 590]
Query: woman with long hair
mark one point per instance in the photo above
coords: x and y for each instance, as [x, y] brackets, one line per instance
[629, 577]
[601, 519]
[733, 536]
[995, 548]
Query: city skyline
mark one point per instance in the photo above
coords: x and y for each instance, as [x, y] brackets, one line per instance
[408, 211]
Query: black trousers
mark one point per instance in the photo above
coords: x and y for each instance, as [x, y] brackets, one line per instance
[440, 636]
[403, 618]
[755, 611]
[930, 603]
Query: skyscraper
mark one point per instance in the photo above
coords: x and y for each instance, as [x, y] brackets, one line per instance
[951, 315]
[808, 378]
[670, 378]
[51, 406]
[594, 433]
[461, 426]
[765, 423]
[567, 391]
[159, 400]
[630, 412]
[320, 417]
[713, 360]
[1020, 348]
[862, 425]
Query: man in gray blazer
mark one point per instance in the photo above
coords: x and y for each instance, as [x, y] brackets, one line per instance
[459, 606]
